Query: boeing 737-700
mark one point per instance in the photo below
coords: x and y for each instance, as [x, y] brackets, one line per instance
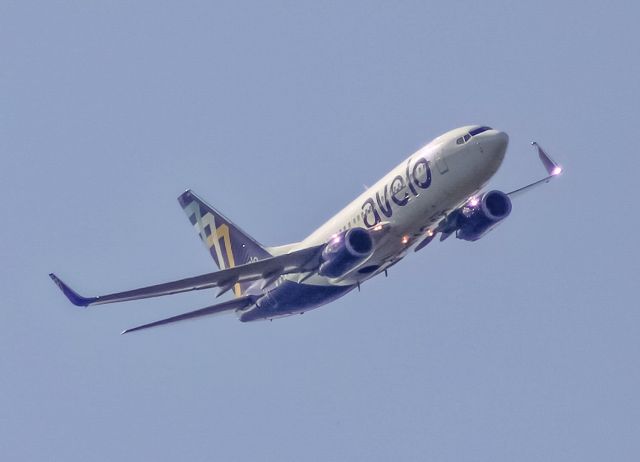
[438, 190]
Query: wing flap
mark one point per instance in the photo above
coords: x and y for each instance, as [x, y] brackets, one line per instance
[299, 261]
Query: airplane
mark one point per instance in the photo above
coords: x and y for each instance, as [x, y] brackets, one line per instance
[438, 190]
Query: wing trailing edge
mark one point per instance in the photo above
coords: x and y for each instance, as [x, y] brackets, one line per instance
[299, 261]
[232, 305]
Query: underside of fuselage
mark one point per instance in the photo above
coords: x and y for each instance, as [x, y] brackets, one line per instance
[293, 298]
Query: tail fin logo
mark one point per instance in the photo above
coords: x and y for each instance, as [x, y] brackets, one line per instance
[228, 245]
[213, 241]
[217, 239]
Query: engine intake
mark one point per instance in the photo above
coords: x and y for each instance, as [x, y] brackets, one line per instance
[345, 251]
[474, 221]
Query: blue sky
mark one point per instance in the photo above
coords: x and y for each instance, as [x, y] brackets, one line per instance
[522, 346]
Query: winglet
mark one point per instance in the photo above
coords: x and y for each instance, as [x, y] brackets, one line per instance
[71, 294]
[550, 165]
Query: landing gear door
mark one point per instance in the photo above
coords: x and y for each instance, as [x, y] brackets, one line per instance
[441, 163]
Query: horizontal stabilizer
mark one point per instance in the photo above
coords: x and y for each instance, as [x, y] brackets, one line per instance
[232, 305]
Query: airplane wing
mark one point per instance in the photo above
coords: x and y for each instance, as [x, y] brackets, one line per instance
[231, 305]
[267, 270]
[449, 223]
[553, 170]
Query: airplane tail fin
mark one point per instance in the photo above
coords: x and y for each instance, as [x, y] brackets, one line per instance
[228, 245]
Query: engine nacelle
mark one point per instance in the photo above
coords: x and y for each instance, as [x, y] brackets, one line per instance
[479, 217]
[345, 251]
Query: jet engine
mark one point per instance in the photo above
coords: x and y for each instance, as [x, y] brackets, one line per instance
[481, 215]
[345, 251]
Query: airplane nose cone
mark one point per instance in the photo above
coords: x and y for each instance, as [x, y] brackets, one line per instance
[495, 144]
[500, 142]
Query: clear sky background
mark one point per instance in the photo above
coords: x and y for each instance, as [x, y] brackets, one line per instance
[522, 346]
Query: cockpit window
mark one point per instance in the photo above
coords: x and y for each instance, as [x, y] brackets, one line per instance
[459, 140]
[467, 137]
[479, 130]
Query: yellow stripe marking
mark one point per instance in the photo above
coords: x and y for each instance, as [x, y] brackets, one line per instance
[223, 233]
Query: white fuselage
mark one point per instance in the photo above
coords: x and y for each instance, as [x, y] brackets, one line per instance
[406, 212]
[400, 210]
[424, 195]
